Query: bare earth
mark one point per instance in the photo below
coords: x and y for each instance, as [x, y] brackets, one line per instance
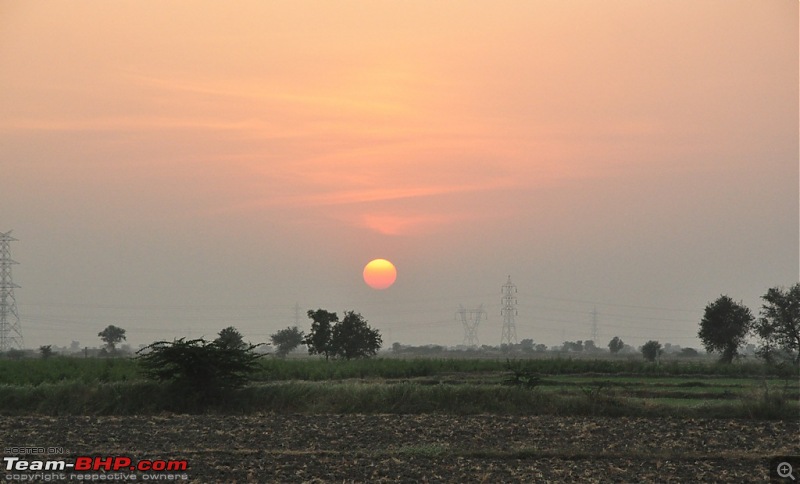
[424, 448]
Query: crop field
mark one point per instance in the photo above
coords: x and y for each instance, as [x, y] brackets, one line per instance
[391, 420]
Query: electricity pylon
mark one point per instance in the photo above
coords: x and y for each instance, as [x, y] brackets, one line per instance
[10, 331]
[470, 319]
[509, 311]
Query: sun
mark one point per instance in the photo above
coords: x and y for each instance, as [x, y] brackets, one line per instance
[380, 274]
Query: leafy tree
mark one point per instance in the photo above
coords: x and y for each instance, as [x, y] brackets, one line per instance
[651, 350]
[286, 340]
[724, 327]
[353, 338]
[230, 337]
[526, 345]
[198, 372]
[779, 324]
[572, 346]
[688, 352]
[46, 351]
[111, 336]
[589, 346]
[321, 334]
[615, 344]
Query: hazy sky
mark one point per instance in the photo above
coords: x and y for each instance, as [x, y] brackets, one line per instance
[176, 167]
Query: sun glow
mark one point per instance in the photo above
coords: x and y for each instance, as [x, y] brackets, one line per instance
[380, 274]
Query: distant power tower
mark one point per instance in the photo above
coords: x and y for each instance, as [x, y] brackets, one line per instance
[10, 331]
[470, 319]
[509, 311]
[594, 325]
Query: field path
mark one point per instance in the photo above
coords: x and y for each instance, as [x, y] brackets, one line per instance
[425, 448]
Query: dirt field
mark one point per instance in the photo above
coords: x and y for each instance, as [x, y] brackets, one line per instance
[424, 448]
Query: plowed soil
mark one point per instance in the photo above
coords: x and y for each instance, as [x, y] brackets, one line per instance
[423, 448]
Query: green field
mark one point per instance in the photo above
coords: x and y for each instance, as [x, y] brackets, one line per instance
[408, 386]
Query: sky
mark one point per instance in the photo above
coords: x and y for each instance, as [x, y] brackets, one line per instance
[176, 167]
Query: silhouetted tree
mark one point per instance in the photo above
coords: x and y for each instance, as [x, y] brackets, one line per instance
[651, 350]
[230, 337]
[779, 324]
[286, 340]
[199, 372]
[111, 336]
[526, 345]
[615, 344]
[46, 351]
[319, 338]
[724, 327]
[353, 338]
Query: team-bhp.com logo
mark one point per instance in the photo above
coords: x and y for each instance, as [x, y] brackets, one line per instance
[96, 463]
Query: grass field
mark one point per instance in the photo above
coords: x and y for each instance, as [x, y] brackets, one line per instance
[77, 386]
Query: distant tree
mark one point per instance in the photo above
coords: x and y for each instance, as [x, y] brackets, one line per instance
[46, 351]
[526, 345]
[230, 337]
[541, 348]
[75, 346]
[353, 338]
[589, 346]
[572, 346]
[615, 344]
[397, 347]
[286, 340]
[688, 352]
[651, 350]
[779, 324]
[319, 338]
[724, 327]
[111, 336]
[15, 354]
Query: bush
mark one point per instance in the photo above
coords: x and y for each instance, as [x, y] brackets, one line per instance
[200, 372]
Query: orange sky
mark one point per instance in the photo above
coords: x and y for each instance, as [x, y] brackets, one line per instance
[257, 154]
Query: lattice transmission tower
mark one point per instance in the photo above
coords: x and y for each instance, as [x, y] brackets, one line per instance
[10, 331]
[470, 318]
[509, 312]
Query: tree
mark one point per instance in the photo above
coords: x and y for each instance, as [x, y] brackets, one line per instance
[46, 351]
[526, 345]
[111, 336]
[198, 372]
[319, 338]
[615, 344]
[724, 327]
[779, 324]
[589, 346]
[353, 338]
[651, 350]
[286, 340]
[230, 337]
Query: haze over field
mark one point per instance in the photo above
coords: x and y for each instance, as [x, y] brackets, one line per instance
[177, 167]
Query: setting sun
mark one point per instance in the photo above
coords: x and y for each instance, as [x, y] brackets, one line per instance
[380, 274]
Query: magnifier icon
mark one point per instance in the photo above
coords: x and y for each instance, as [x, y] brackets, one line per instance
[785, 470]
